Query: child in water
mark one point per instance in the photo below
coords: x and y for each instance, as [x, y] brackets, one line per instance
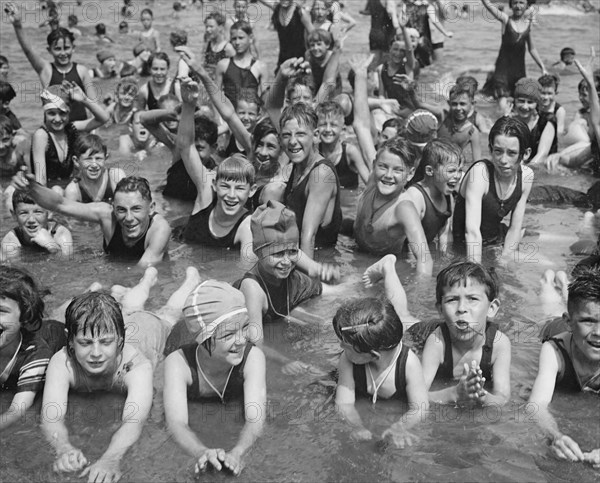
[12, 156]
[491, 190]
[34, 230]
[220, 363]
[27, 341]
[570, 361]
[374, 361]
[466, 346]
[112, 349]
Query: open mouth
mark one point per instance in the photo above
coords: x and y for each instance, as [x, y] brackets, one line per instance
[594, 343]
[462, 325]
[295, 150]
[230, 204]
[387, 183]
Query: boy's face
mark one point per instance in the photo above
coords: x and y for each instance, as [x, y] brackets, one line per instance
[460, 107]
[584, 97]
[298, 140]
[548, 93]
[505, 155]
[446, 176]
[397, 52]
[96, 354]
[159, 70]
[280, 264]
[391, 173]
[569, 59]
[6, 143]
[301, 94]
[465, 309]
[132, 212]
[62, 51]
[248, 113]
[584, 321]
[211, 29]
[10, 321]
[31, 218]
[525, 107]
[4, 68]
[232, 195]
[240, 41]
[230, 339]
[240, 7]
[110, 64]
[139, 132]
[330, 127]
[56, 119]
[204, 149]
[126, 96]
[388, 133]
[267, 150]
[91, 165]
[146, 19]
[318, 49]
[518, 7]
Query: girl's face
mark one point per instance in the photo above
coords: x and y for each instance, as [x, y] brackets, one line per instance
[519, 7]
[319, 11]
[126, 96]
[548, 94]
[505, 154]
[267, 150]
[56, 120]
[159, 70]
[460, 107]
[397, 52]
[280, 264]
[248, 113]
[4, 68]
[230, 340]
[62, 51]
[212, 29]
[525, 107]
[146, 20]
[96, 354]
[357, 357]
[10, 321]
[6, 143]
[92, 165]
[240, 41]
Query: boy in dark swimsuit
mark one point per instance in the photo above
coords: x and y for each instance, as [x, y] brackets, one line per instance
[465, 346]
[570, 360]
[131, 227]
[34, 230]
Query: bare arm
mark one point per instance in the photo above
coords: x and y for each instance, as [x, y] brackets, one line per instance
[407, 216]
[495, 11]
[356, 160]
[21, 402]
[500, 373]
[158, 240]
[513, 235]
[476, 186]
[38, 151]
[362, 114]
[153, 119]
[535, 55]
[594, 101]
[345, 399]
[306, 21]
[36, 60]
[475, 141]
[545, 144]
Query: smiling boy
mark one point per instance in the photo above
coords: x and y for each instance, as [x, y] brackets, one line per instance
[465, 346]
[131, 227]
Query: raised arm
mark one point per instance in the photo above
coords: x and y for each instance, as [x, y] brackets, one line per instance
[593, 99]
[153, 119]
[362, 114]
[76, 94]
[495, 11]
[276, 95]
[34, 58]
[269, 3]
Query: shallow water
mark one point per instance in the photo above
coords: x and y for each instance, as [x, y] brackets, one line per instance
[304, 440]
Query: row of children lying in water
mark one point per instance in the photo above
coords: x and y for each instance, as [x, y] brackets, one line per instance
[212, 352]
[498, 187]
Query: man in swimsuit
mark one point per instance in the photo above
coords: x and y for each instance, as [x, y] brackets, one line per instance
[131, 227]
[570, 361]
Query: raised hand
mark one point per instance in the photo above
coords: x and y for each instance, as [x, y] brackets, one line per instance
[12, 13]
[72, 90]
[294, 66]
[360, 63]
[190, 90]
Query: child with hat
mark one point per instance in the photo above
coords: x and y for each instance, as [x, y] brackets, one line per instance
[220, 363]
[108, 65]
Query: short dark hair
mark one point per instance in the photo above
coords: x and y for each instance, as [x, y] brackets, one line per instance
[3, 60]
[320, 35]
[300, 112]
[131, 184]
[459, 272]
[95, 313]
[58, 34]
[511, 127]
[400, 147]
[6, 125]
[147, 10]
[396, 123]
[205, 130]
[160, 56]
[550, 80]
[243, 26]
[178, 37]
[584, 288]
[566, 51]
[91, 142]
[20, 286]
[21, 196]
[459, 90]
[217, 17]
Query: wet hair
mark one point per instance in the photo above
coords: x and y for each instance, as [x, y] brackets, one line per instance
[236, 168]
[72, 19]
[584, 288]
[459, 90]
[529, 2]
[393, 122]
[469, 82]
[148, 11]
[320, 35]
[205, 130]
[128, 70]
[218, 17]
[330, 108]
[123, 26]
[459, 272]
[6, 126]
[584, 85]
[20, 196]
[300, 112]
[368, 324]
[129, 86]
[550, 80]
[60, 34]
[93, 313]
[131, 184]
[441, 151]
[398, 146]
[163, 100]
[160, 56]
[566, 51]
[511, 127]
[178, 37]
[90, 142]
[299, 80]
[243, 26]
[100, 29]
[20, 286]
[250, 96]
[3, 60]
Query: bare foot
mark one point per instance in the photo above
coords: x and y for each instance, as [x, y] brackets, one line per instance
[95, 287]
[376, 271]
[192, 276]
[118, 292]
[150, 277]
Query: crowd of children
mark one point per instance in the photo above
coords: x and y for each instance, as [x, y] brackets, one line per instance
[266, 162]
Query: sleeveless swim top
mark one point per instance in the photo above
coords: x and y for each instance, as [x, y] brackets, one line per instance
[459, 135]
[374, 230]
[25, 242]
[318, 73]
[212, 58]
[291, 36]
[347, 177]
[493, 210]
[395, 91]
[87, 198]
[179, 183]
[536, 133]
[446, 369]
[238, 80]
[551, 116]
[295, 199]
[77, 112]
[57, 170]
[152, 101]
[197, 230]
[117, 248]
[359, 371]
[235, 386]
[567, 379]
[434, 219]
